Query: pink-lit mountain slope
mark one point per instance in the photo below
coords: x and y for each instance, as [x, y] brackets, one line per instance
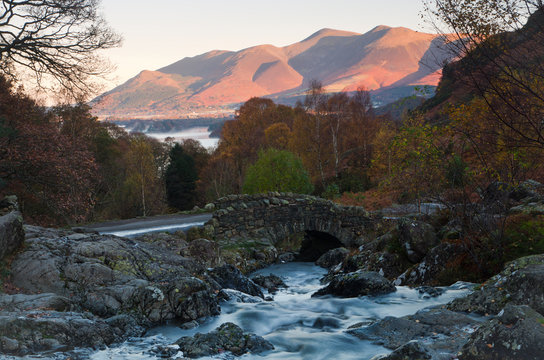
[213, 83]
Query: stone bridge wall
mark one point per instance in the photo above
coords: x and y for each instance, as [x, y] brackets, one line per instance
[275, 216]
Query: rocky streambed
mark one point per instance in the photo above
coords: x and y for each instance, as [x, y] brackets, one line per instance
[90, 296]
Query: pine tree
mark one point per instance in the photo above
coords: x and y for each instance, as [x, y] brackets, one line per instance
[181, 177]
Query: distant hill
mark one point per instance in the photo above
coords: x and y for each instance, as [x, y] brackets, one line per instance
[214, 83]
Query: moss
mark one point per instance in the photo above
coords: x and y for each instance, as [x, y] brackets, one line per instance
[245, 245]
[124, 267]
[291, 243]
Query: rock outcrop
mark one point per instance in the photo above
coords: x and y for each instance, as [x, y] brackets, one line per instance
[517, 333]
[88, 290]
[227, 337]
[442, 331]
[271, 282]
[520, 283]
[332, 257]
[358, 283]
[227, 276]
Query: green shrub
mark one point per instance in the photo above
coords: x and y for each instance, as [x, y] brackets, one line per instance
[277, 170]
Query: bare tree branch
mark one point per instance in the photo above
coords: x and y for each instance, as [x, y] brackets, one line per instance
[57, 40]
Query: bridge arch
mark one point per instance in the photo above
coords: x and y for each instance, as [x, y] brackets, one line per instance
[277, 216]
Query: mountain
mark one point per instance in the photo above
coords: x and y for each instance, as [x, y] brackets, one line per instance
[215, 82]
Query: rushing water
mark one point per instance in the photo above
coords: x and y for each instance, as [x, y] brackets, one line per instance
[300, 327]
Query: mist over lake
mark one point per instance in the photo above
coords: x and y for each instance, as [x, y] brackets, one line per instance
[201, 134]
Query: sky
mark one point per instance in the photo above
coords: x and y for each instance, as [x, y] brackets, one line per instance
[159, 32]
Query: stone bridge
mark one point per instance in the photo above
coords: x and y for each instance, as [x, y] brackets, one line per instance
[277, 216]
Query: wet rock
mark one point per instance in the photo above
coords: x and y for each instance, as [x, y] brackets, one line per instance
[332, 257]
[517, 333]
[36, 331]
[417, 238]
[189, 325]
[203, 250]
[385, 263]
[12, 234]
[238, 296]
[356, 284]
[520, 283]
[429, 271]
[440, 329]
[412, 350]
[227, 337]
[228, 276]
[326, 322]
[430, 292]
[270, 282]
[287, 257]
[165, 352]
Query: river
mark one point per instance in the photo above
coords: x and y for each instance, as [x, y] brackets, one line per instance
[300, 327]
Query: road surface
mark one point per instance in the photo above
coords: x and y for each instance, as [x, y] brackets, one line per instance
[131, 227]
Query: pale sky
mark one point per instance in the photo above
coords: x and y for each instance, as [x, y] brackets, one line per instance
[160, 32]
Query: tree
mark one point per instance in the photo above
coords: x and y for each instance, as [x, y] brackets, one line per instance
[501, 46]
[311, 126]
[57, 40]
[277, 170]
[53, 176]
[277, 135]
[181, 177]
[142, 178]
[416, 159]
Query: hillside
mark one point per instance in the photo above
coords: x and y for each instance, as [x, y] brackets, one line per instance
[215, 82]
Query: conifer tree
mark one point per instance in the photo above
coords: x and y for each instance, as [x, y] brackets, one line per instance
[181, 177]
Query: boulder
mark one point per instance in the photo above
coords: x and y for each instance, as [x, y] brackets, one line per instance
[517, 333]
[431, 268]
[439, 329]
[417, 238]
[270, 282]
[238, 296]
[39, 331]
[12, 234]
[390, 265]
[357, 283]
[332, 257]
[520, 283]
[227, 337]
[228, 276]
[287, 257]
[412, 350]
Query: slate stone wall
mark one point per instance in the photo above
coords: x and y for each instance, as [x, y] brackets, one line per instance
[275, 216]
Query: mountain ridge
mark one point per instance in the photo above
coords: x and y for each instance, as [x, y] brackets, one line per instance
[217, 81]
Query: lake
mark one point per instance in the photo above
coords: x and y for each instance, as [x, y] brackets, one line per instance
[201, 134]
